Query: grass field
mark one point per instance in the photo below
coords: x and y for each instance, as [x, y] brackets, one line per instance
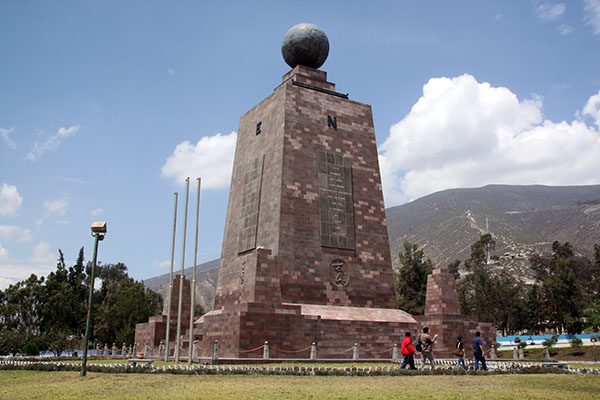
[69, 385]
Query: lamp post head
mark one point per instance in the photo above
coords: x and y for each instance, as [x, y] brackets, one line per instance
[99, 227]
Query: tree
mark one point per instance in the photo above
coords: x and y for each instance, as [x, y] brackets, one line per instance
[411, 281]
[21, 309]
[534, 315]
[121, 304]
[592, 315]
[61, 315]
[453, 268]
[479, 251]
[491, 296]
[562, 295]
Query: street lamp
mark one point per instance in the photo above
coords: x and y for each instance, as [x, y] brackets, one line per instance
[98, 231]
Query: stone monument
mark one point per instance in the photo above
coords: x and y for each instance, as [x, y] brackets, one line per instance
[305, 254]
[443, 317]
[155, 330]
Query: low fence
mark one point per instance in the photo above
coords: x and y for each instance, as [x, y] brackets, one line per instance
[443, 367]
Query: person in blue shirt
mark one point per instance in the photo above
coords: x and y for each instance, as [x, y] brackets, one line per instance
[478, 352]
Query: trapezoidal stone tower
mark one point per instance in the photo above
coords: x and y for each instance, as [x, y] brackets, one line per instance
[305, 254]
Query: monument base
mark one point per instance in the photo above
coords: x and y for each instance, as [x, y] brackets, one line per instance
[290, 329]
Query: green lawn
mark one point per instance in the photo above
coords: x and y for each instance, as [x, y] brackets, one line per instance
[69, 385]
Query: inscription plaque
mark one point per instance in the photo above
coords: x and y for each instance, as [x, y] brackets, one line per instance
[250, 205]
[335, 201]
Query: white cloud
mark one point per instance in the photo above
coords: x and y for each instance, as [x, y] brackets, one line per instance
[547, 12]
[51, 143]
[42, 255]
[171, 71]
[41, 262]
[462, 133]
[5, 134]
[592, 108]
[565, 29]
[592, 15]
[210, 159]
[96, 212]
[161, 264]
[10, 200]
[11, 233]
[57, 207]
[4, 255]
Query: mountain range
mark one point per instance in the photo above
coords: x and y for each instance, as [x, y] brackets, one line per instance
[523, 220]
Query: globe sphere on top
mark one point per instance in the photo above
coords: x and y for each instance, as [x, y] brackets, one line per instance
[305, 44]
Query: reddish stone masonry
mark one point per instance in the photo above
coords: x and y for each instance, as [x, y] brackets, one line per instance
[305, 254]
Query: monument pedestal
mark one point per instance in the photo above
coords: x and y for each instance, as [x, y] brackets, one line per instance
[262, 316]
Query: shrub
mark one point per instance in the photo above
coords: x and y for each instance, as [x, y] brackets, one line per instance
[32, 349]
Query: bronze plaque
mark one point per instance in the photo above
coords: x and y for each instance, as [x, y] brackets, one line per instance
[250, 205]
[335, 201]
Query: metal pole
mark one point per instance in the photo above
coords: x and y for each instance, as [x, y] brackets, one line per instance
[193, 296]
[178, 339]
[89, 313]
[170, 295]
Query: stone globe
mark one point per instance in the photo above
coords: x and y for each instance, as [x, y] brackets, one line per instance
[305, 44]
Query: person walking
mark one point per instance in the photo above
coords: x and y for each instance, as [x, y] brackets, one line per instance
[408, 351]
[478, 352]
[427, 345]
[460, 353]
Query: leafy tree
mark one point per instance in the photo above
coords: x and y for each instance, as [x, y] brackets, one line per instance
[411, 282]
[548, 343]
[562, 294]
[534, 315]
[576, 343]
[50, 314]
[61, 315]
[120, 304]
[491, 296]
[592, 315]
[199, 310]
[21, 309]
[479, 251]
[453, 268]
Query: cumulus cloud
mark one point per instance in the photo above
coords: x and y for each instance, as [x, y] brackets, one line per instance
[42, 255]
[96, 212]
[592, 108]
[51, 143]
[547, 12]
[463, 133]
[11, 233]
[10, 200]
[211, 159]
[57, 207]
[592, 15]
[41, 262]
[5, 135]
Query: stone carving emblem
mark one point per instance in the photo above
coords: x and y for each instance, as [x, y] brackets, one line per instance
[338, 272]
[243, 274]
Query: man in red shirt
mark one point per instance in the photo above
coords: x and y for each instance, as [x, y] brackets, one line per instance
[407, 350]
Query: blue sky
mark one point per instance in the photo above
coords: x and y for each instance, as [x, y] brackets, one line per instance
[106, 106]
